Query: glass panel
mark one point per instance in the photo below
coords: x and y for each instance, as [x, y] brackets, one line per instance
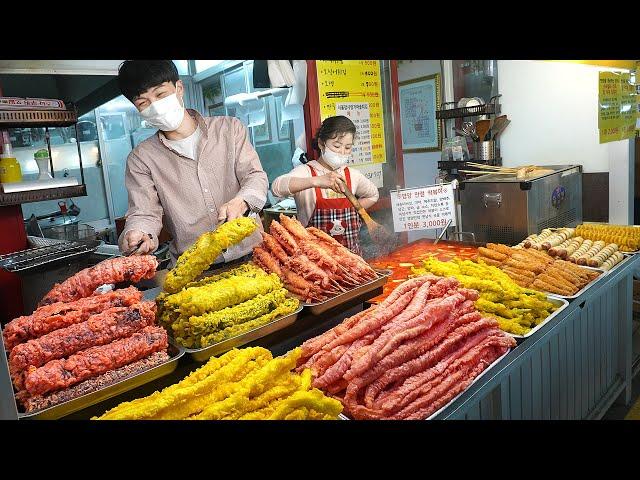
[202, 65]
[120, 128]
[182, 66]
[475, 78]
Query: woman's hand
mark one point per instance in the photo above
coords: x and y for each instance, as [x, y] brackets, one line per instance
[332, 180]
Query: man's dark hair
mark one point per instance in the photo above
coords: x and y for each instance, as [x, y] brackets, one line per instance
[137, 76]
[333, 127]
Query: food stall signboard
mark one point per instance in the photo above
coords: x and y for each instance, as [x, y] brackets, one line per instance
[423, 208]
[353, 88]
[616, 106]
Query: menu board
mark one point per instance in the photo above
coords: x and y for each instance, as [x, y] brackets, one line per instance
[353, 88]
[616, 106]
[423, 208]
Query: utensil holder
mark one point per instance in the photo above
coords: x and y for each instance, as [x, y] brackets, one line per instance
[485, 151]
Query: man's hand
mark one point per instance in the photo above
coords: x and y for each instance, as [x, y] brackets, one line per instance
[234, 208]
[131, 239]
[332, 180]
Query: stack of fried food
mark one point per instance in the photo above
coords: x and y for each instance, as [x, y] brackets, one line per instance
[537, 269]
[516, 309]
[222, 306]
[583, 250]
[312, 264]
[408, 356]
[245, 384]
[197, 258]
[79, 342]
[627, 236]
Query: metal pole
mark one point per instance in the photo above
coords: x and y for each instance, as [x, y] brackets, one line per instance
[48, 139]
[79, 153]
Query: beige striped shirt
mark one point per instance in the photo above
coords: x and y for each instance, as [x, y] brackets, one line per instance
[189, 193]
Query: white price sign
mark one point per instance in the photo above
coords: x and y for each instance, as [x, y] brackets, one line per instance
[423, 208]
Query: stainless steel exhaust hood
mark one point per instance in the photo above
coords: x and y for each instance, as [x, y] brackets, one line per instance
[86, 83]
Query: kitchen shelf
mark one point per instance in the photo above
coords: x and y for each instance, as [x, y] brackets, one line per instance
[487, 109]
[44, 194]
[38, 118]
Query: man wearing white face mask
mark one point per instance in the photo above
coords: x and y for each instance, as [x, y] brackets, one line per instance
[318, 186]
[196, 171]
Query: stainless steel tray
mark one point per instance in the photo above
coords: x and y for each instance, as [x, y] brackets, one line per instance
[203, 354]
[583, 289]
[66, 408]
[561, 303]
[433, 415]
[438, 412]
[321, 307]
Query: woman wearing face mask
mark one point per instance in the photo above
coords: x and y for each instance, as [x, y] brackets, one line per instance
[318, 186]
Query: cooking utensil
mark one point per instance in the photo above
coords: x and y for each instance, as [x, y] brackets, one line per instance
[444, 229]
[138, 246]
[378, 233]
[500, 128]
[482, 127]
[470, 130]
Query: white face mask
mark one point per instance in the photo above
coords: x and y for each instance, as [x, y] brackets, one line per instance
[334, 159]
[165, 114]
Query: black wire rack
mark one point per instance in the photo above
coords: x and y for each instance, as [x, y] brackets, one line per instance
[35, 257]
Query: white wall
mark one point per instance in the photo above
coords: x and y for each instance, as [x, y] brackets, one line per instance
[553, 107]
[420, 169]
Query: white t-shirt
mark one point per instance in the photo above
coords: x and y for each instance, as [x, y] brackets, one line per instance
[187, 146]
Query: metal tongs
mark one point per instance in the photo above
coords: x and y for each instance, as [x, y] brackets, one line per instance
[138, 246]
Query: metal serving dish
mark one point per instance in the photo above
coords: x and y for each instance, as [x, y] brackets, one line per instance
[561, 303]
[203, 354]
[71, 406]
[435, 414]
[497, 360]
[321, 307]
[583, 289]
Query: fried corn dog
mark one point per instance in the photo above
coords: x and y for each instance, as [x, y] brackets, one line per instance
[518, 271]
[612, 261]
[521, 280]
[557, 281]
[586, 245]
[598, 259]
[554, 251]
[546, 287]
[537, 243]
[535, 267]
[490, 261]
[498, 247]
[595, 248]
[492, 254]
[574, 244]
[529, 239]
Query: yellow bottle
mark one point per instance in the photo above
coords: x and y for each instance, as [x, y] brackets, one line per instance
[10, 170]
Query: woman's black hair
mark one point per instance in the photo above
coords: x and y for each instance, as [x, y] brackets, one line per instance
[333, 127]
[137, 76]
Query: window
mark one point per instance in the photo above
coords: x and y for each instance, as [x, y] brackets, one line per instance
[182, 66]
[202, 65]
[475, 78]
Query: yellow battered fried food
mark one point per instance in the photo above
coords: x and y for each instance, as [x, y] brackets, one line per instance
[241, 384]
[187, 331]
[221, 294]
[517, 309]
[205, 250]
[285, 307]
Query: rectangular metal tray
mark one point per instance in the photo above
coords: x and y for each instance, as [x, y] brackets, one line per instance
[203, 354]
[71, 406]
[433, 415]
[561, 303]
[321, 307]
[583, 289]
[438, 412]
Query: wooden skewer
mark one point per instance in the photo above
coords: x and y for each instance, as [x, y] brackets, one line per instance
[476, 172]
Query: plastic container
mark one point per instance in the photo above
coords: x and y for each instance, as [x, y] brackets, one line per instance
[42, 159]
[10, 170]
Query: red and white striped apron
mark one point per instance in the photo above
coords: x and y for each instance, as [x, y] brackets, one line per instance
[337, 216]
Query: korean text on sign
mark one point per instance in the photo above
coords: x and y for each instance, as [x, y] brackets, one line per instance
[422, 208]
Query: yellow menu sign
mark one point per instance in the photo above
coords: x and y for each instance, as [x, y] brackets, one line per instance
[353, 88]
[616, 106]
